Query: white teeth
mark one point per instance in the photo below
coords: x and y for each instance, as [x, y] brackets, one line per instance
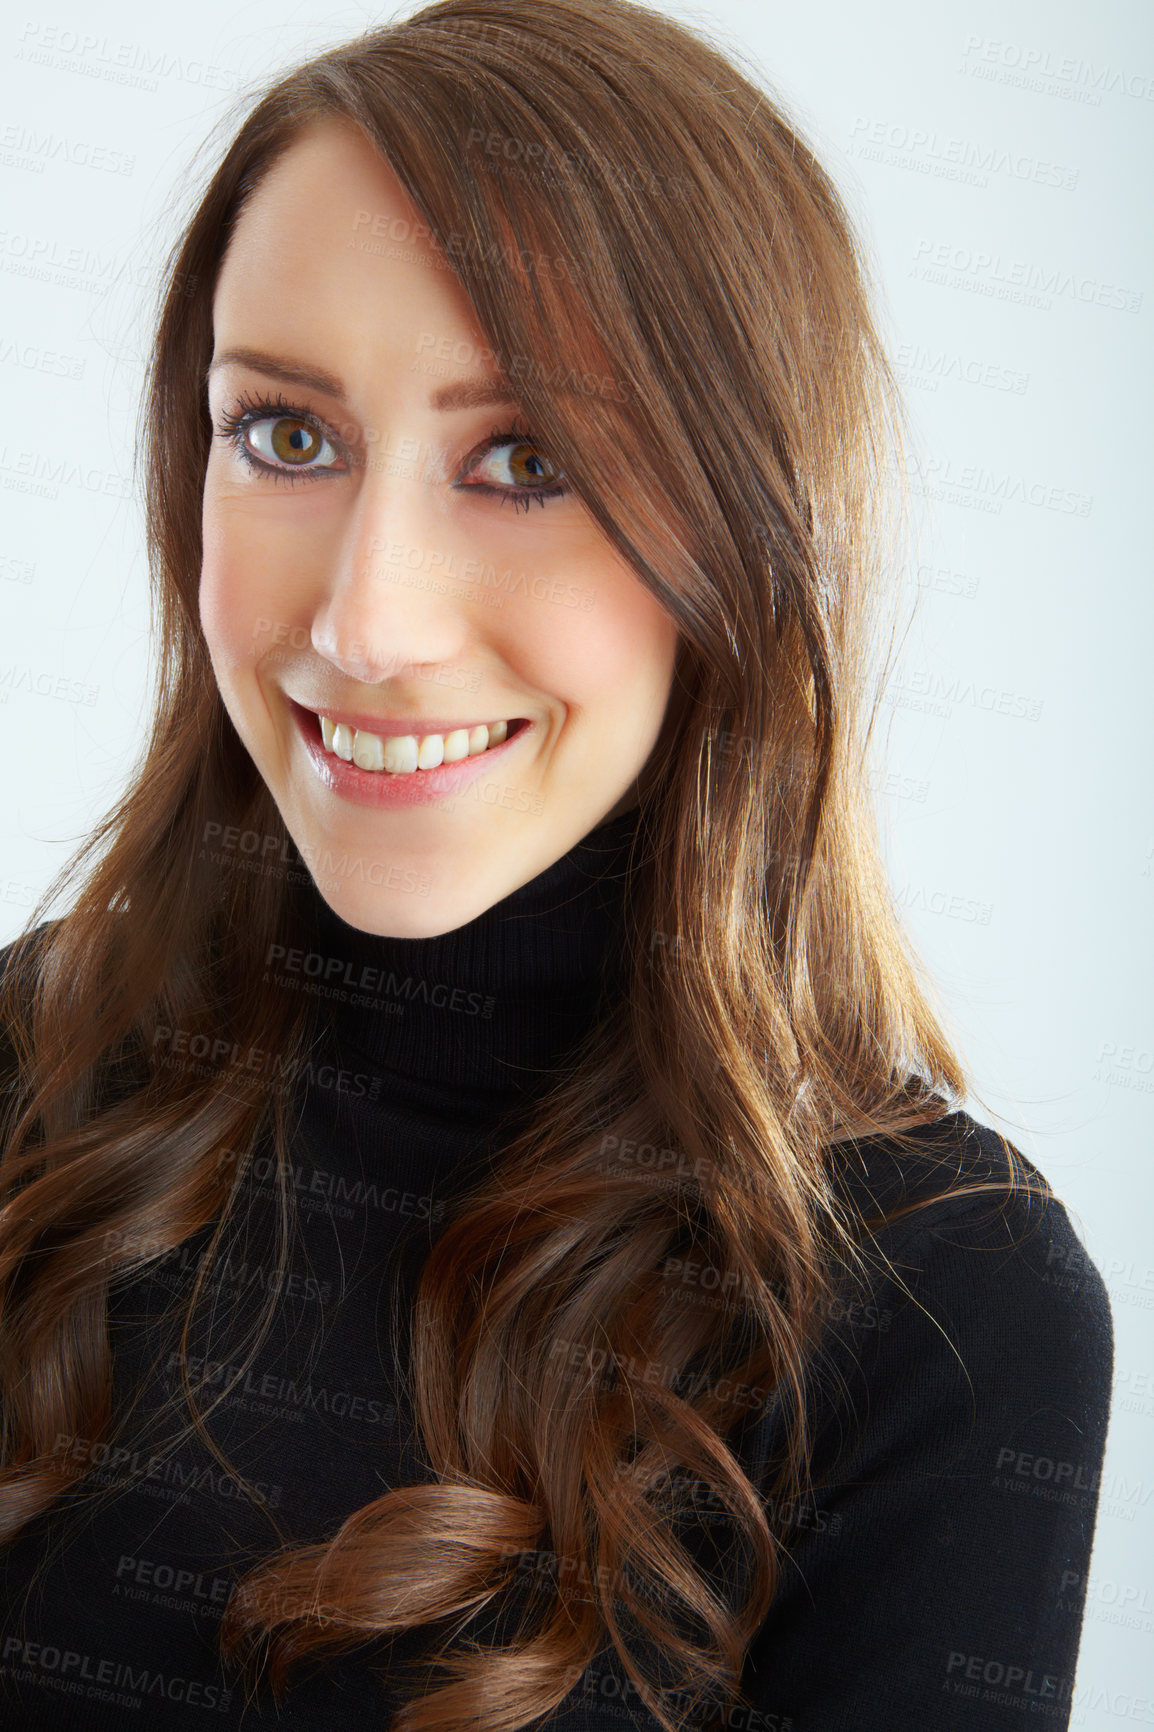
[368, 752]
[399, 754]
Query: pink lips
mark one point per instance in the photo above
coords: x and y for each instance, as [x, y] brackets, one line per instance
[405, 788]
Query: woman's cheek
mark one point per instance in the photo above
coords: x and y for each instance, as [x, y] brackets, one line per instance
[237, 600]
[597, 625]
[229, 623]
[632, 643]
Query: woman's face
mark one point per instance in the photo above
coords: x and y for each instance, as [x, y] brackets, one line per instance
[374, 556]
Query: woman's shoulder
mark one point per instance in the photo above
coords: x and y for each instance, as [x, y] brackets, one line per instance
[958, 1417]
[978, 1345]
[953, 1170]
[979, 1266]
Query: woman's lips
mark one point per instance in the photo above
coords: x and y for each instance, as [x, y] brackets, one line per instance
[398, 788]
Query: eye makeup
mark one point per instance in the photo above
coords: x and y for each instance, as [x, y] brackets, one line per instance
[253, 409]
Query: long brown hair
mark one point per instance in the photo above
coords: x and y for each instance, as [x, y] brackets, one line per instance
[674, 284]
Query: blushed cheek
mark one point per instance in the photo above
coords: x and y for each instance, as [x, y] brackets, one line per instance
[618, 648]
[232, 602]
[630, 648]
[570, 655]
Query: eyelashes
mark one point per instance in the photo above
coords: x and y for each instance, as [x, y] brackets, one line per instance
[251, 409]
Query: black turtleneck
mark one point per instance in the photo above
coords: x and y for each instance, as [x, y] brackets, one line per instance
[493, 1004]
[936, 1578]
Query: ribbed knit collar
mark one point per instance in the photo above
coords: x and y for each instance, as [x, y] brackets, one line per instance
[496, 1002]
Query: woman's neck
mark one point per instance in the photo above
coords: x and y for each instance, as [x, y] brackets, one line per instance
[494, 1003]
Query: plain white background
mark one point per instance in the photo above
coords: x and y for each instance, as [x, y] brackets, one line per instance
[997, 159]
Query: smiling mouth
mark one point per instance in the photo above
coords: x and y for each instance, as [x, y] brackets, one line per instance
[404, 754]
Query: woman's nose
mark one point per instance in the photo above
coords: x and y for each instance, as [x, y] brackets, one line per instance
[382, 606]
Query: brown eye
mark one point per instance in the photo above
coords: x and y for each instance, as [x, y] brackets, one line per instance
[512, 469]
[284, 442]
[294, 441]
[524, 465]
[528, 466]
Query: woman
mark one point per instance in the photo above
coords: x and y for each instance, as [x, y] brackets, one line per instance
[490, 1236]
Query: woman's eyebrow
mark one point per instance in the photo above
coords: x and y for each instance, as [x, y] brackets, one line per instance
[461, 394]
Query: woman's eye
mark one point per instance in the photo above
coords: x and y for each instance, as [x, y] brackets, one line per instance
[285, 442]
[512, 468]
[517, 463]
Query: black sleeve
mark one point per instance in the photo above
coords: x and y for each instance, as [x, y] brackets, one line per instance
[940, 1580]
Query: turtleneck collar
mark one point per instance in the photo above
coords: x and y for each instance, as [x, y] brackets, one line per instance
[494, 1003]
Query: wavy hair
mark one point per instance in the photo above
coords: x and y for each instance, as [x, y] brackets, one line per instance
[725, 411]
